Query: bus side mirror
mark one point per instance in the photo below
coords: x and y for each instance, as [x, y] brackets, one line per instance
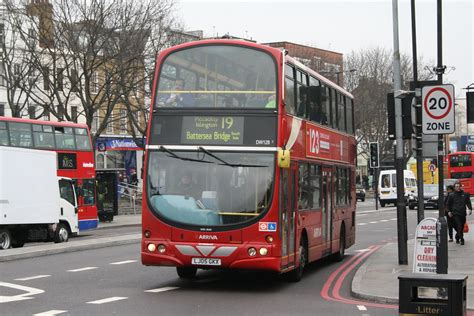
[283, 158]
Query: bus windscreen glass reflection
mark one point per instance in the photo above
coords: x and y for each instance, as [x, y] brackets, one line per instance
[197, 189]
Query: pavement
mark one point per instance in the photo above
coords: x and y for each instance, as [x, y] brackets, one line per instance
[78, 244]
[377, 278]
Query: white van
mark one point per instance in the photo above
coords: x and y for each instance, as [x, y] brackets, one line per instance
[35, 204]
[387, 186]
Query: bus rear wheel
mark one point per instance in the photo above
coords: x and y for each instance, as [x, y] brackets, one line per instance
[186, 272]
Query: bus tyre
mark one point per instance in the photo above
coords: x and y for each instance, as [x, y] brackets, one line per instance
[338, 256]
[296, 274]
[382, 204]
[411, 207]
[61, 234]
[5, 239]
[186, 272]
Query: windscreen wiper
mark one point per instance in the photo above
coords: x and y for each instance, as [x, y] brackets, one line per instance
[229, 164]
[163, 148]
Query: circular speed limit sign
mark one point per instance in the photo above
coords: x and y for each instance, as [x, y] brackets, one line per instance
[438, 109]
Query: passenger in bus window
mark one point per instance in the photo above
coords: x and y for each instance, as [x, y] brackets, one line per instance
[180, 99]
[271, 104]
[303, 102]
[187, 187]
[316, 114]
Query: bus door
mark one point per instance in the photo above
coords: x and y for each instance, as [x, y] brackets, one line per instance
[288, 189]
[327, 208]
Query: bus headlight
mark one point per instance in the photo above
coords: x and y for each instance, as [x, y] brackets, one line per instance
[252, 252]
[161, 248]
[151, 247]
[263, 251]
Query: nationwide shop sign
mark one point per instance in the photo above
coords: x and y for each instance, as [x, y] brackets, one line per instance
[424, 259]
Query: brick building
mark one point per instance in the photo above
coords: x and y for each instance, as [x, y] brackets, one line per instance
[326, 62]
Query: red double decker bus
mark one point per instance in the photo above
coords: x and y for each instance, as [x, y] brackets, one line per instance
[461, 167]
[72, 143]
[249, 163]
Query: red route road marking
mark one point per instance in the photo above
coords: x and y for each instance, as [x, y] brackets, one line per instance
[353, 262]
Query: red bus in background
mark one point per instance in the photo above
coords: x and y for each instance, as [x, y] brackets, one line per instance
[461, 167]
[249, 163]
[72, 143]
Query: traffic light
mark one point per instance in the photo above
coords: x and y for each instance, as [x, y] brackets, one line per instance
[374, 155]
[470, 106]
[407, 127]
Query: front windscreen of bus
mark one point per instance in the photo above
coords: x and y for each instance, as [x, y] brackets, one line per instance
[460, 161]
[198, 189]
[217, 77]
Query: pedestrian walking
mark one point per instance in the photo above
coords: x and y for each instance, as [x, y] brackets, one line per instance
[457, 203]
[449, 219]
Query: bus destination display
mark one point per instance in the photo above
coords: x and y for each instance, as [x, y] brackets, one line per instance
[212, 130]
[234, 130]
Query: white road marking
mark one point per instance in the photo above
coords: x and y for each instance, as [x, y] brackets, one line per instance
[363, 250]
[51, 313]
[108, 300]
[162, 289]
[124, 262]
[362, 214]
[33, 277]
[384, 220]
[20, 297]
[376, 211]
[361, 224]
[82, 269]
[393, 219]
[373, 222]
[361, 307]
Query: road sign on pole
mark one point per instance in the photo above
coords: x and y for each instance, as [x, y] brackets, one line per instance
[438, 109]
[432, 167]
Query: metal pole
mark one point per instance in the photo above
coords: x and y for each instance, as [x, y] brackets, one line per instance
[442, 242]
[399, 161]
[376, 176]
[419, 140]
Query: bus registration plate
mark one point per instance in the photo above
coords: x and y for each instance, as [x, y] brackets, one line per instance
[206, 261]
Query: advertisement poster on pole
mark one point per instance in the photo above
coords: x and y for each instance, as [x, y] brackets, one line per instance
[424, 259]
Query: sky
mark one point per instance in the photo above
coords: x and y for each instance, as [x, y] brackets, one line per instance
[345, 26]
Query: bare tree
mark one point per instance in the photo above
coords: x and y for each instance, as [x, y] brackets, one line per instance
[17, 72]
[370, 85]
[93, 55]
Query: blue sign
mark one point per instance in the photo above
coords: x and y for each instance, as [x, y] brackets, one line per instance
[117, 144]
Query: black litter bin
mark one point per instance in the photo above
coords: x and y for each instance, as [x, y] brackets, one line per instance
[432, 294]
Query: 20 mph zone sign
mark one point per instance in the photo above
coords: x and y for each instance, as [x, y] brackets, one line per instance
[438, 109]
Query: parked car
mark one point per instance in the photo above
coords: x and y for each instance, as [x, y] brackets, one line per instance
[430, 197]
[360, 193]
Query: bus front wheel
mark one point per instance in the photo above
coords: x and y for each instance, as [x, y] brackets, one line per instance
[186, 272]
[338, 256]
[296, 274]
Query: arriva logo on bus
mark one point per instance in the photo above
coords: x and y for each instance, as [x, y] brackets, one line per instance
[88, 165]
[208, 237]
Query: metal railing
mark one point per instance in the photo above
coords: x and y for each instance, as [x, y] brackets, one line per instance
[132, 192]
